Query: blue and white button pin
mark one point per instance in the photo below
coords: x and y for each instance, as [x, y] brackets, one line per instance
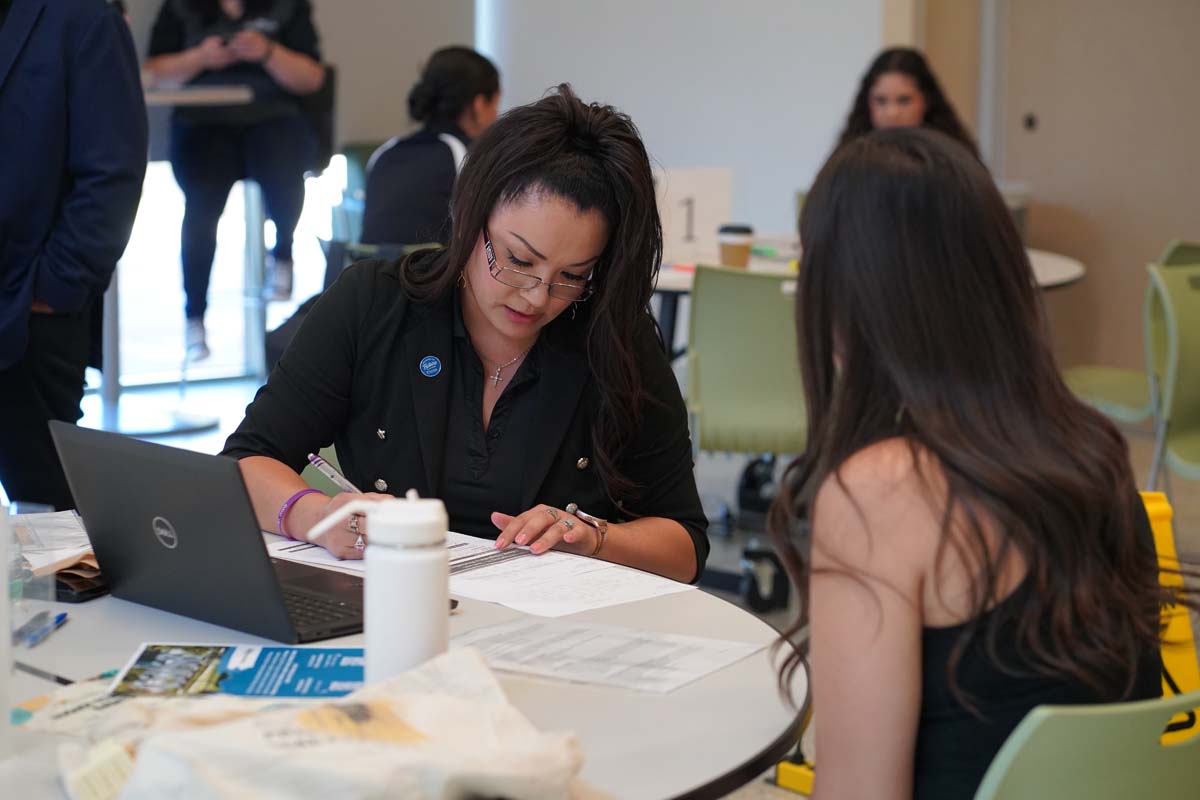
[431, 366]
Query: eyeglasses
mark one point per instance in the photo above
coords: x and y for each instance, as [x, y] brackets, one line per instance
[575, 292]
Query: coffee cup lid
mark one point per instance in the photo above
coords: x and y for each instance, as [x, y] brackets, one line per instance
[736, 228]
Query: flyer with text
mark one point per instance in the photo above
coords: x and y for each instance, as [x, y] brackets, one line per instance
[180, 670]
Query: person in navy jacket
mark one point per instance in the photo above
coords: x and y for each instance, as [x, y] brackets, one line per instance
[72, 158]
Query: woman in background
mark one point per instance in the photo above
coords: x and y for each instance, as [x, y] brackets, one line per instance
[410, 181]
[900, 91]
[977, 544]
[270, 46]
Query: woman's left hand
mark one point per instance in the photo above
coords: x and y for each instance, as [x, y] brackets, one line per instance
[543, 528]
[249, 45]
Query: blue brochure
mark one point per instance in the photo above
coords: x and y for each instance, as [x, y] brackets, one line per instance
[180, 670]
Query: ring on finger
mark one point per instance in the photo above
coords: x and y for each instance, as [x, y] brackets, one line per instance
[568, 524]
[553, 512]
[352, 524]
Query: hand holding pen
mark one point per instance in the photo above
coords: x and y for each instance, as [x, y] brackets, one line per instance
[350, 541]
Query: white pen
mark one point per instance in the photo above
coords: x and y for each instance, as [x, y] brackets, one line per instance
[327, 469]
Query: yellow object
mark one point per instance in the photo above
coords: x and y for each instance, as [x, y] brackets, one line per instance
[1181, 671]
[795, 777]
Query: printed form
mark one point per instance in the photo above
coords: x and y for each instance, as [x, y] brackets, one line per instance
[603, 654]
[550, 585]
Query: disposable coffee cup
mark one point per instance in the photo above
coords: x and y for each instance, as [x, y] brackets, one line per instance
[735, 242]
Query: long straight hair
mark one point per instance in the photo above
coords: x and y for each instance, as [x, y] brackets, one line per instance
[592, 156]
[939, 114]
[918, 317]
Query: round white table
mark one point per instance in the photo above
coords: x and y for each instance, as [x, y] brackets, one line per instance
[702, 740]
[1050, 271]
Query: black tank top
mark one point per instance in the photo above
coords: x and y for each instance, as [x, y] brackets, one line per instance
[955, 747]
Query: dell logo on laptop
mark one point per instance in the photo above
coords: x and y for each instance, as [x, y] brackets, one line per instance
[165, 533]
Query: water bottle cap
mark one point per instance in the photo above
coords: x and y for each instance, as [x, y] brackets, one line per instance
[411, 522]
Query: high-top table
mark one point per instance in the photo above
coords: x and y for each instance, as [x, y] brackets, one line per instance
[148, 418]
[702, 740]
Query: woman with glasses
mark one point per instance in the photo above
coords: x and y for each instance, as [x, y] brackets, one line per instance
[516, 374]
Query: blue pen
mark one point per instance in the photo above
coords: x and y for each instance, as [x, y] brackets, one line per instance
[37, 636]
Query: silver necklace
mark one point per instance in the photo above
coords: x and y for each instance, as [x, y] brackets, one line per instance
[495, 378]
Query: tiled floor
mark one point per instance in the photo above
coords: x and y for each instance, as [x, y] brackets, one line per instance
[716, 474]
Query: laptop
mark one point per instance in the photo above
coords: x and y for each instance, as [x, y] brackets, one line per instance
[175, 530]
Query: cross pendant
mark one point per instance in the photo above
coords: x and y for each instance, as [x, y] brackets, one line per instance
[495, 379]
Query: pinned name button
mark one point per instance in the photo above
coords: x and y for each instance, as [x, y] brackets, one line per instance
[430, 366]
[582, 463]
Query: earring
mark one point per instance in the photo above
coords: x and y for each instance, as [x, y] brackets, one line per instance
[462, 280]
[572, 311]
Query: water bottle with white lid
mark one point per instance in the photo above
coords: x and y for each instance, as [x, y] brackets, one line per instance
[406, 591]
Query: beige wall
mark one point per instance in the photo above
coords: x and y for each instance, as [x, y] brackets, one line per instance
[902, 24]
[952, 46]
[1114, 162]
[378, 47]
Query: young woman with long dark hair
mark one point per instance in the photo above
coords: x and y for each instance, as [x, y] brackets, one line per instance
[410, 180]
[899, 90]
[516, 374]
[967, 537]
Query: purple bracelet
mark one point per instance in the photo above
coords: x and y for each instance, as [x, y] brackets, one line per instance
[287, 506]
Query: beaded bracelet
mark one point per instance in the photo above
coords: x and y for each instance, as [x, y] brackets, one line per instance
[287, 506]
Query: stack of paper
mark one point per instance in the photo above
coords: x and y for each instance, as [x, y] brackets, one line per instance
[603, 654]
[549, 585]
[54, 541]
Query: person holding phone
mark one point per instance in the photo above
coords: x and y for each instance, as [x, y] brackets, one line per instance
[517, 374]
[270, 46]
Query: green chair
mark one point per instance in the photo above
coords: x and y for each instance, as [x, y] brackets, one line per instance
[348, 215]
[1180, 253]
[316, 480]
[1128, 396]
[340, 254]
[745, 396]
[1096, 752]
[744, 389]
[1177, 444]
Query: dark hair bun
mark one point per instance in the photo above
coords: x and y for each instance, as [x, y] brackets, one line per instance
[421, 101]
[450, 81]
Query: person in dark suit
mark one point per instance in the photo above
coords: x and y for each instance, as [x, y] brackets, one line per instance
[517, 374]
[72, 159]
[410, 180]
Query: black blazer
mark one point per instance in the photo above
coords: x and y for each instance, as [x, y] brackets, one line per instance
[352, 376]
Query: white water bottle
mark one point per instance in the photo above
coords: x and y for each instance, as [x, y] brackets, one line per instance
[406, 592]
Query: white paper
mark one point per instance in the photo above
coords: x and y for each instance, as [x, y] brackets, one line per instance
[603, 654]
[52, 538]
[549, 585]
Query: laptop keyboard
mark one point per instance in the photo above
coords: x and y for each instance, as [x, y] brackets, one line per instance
[307, 610]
